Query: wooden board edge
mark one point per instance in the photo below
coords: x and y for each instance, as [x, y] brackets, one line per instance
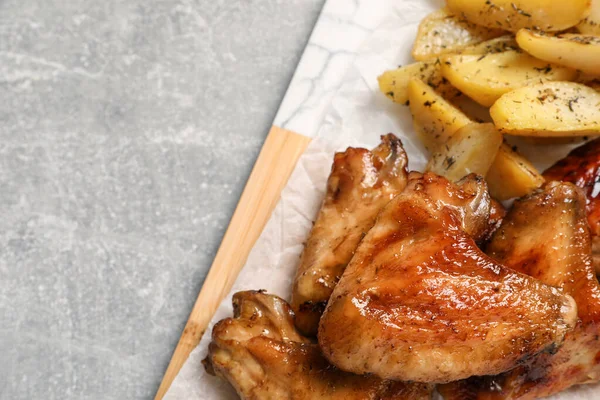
[273, 167]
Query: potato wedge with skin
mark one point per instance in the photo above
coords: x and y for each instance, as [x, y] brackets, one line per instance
[512, 175]
[394, 83]
[591, 25]
[512, 15]
[486, 78]
[471, 149]
[571, 50]
[549, 109]
[442, 32]
[435, 119]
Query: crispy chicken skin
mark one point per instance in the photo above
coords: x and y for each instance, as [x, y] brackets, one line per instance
[420, 302]
[262, 355]
[546, 236]
[360, 184]
[582, 167]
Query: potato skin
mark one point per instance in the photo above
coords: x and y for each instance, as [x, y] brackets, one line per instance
[394, 83]
[486, 78]
[549, 109]
[571, 50]
[463, 153]
[435, 119]
[512, 15]
[512, 175]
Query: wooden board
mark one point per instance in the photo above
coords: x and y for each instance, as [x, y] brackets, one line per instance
[269, 176]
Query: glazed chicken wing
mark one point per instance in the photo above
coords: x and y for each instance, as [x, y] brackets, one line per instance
[419, 301]
[546, 236]
[360, 184]
[262, 355]
[582, 167]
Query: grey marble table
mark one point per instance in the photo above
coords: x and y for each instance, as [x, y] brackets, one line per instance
[128, 129]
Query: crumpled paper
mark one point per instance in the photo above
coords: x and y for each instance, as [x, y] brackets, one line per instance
[357, 116]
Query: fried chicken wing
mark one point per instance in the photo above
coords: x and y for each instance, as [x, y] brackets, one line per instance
[582, 167]
[419, 301]
[360, 184]
[262, 355]
[546, 236]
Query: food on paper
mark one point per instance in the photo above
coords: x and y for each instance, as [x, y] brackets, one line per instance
[262, 355]
[361, 183]
[421, 302]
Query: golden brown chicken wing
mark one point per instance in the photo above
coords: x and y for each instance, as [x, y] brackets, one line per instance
[360, 184]
[546, 236]
[419, 301]
[262, 355]
[582, 167]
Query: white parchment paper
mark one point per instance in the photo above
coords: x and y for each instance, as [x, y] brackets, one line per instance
[357, 116]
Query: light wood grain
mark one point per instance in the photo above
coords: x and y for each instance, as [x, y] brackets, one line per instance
[270, 174]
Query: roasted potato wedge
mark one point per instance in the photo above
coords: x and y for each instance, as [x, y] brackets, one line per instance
[549, 109]
[394, 83]
[571, 50]
[591, 25]
[487, 77]
[512, 15]
[442, 32]
[469, 149]
[512, 175]
[435, 119]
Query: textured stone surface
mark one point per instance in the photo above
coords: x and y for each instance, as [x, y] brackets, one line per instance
[128, 129]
